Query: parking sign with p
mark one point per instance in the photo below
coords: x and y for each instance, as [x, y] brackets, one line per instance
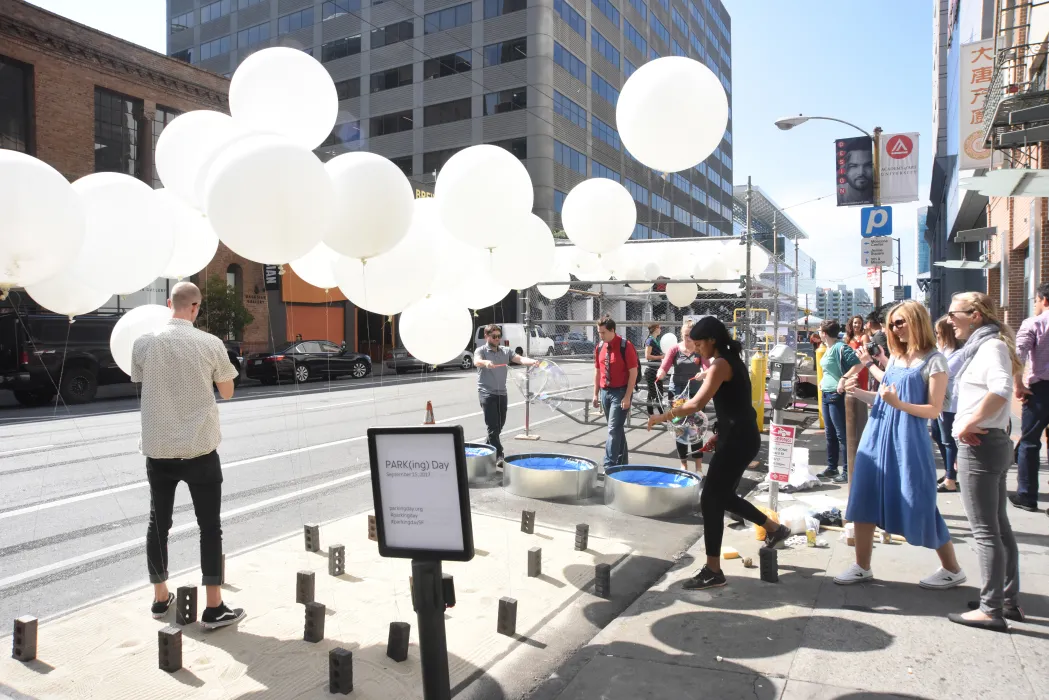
[875, 221]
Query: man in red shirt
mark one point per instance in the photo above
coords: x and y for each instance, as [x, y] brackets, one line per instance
[615, 373]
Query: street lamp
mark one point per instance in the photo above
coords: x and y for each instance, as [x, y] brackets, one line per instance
[788, 123]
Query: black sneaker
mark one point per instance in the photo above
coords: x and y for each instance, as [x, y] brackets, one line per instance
[160, 609]
[1023, 505]
[1015, 614]
[213, 618]
[828, 473]
[774, 537]
[704, 579]
[842, 478]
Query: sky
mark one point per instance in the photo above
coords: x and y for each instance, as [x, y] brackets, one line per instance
[833, 58]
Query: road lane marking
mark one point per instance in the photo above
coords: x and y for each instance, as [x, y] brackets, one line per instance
[25, 449]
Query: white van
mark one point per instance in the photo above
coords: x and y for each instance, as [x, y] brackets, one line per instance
[514, 336]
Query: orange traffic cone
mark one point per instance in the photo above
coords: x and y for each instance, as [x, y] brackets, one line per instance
[429, 414]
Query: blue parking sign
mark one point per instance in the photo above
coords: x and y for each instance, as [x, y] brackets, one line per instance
[875, 221]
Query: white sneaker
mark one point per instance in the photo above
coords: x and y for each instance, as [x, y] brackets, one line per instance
[943, 579]
[854, 574]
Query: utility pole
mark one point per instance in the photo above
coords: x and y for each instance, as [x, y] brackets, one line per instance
[746, 282]
[775, 279]
[877, 201]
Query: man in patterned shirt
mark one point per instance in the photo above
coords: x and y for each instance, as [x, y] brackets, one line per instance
[1032, 387]
[178, 366]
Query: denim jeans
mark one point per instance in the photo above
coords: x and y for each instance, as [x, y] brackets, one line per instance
[948, 446]
[494, 407]
[1033, 422]
[834, 420]
[615, 445]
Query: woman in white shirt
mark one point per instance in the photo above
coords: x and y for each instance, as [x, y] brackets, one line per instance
[984, 387]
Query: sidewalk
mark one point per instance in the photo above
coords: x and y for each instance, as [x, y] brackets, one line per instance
[808, 638]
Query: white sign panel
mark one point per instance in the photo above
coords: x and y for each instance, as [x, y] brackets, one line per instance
[898, 168]
[781, 447]
[875, 251]
[977, 70]
[874, 277]
[420, 491]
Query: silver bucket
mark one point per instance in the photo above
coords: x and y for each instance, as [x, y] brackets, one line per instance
[481, 467]
[651, 501]
[567, 484]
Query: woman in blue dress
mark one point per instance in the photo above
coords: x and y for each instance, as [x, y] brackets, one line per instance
[894, 478]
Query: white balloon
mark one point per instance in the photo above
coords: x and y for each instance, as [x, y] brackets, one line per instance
[759, 260]
[128, 241]
[668, 341]
[672, 113]
[681, 294]
[41, 220]
[388, 283]
[317, 267]
[478, 190]
[195, 241]
[269, 200]
[133, 325]
[287, 92]
[436, 329]
[734, 255]
[559, 272]
[587, 267]
[599, 214]
[65, 294]
[373, 208]
[526, 258]
[188, 147]
[477, 287]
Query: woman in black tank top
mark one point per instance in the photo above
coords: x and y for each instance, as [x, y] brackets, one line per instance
[727, 382]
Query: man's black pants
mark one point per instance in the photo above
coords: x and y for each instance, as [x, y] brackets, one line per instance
[203, 475]
[494, 407]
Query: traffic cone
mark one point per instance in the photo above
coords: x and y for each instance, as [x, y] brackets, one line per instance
[429, 414]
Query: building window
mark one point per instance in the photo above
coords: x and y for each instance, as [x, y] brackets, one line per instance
[505, 101]
[116, 133]
[348, 89]
[253, 35]
[602, 170]
[447, 18]
[665, 4]
[391, 78]
[605, 132]
[699, 195]
[405, 164]
[608, 10]
[185, 55]
[652, 54]
[435, 160]
[214, 10]
[248, 3]
[682, 216]
[679, 50]
[347, 132]
[570, 158]
[679, 21]
[494, 8]
[661, 205]
[559, 200]
[698, 225]
[447, 112]
[604, 88]
[628, 68]
[181, 22]
[393, 33]
[681, 182]
[635, 38]
[338, 8]
[639, 193]
[443, 66]
[215, 48]
[16, 81]
[569, 110]
[658, 28]
[161, 118]
[564, 58]
[505, 52]
[641, 7]
[604, 47]
[517, 147]
[697, 46]
[391, 123]
[641, 233]
[341, 48]
[295, 21]
[572, 18]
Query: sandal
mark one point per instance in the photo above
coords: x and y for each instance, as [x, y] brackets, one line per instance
[943, 489]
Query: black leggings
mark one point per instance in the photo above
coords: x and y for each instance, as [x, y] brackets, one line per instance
[655, 389]
[732, 455]
[693, 450]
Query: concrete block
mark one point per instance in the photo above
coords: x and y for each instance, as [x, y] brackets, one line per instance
[169, 648]
[769, 565]
[535, 562]
[448, 589]
[185, 605]
[582, 537]
[313, 537]
[528, 521]
[336, 560]
[603, 580]
[314, 630]
[373, 534]
[397, 645]
[23, 643]
[340, 671]
[507, 622]
[305, 587]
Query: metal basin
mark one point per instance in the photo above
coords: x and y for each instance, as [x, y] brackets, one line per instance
[650, 491]
[549, 476]
[480, 461]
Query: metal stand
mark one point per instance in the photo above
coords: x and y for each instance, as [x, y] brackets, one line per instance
[428, 598]
[528, 380]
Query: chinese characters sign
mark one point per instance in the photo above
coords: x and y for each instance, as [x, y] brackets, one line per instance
[854, 173]
[977, 70]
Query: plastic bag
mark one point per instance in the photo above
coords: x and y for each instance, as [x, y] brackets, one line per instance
[797, 519]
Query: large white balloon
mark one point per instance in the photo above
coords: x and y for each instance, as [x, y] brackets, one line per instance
[668, 341]
[269, 200]
[287, 92]
[317, 267]
[388, 283]
[734, 255]
[373, 207]
[67, 295]
[187, 149]
[436, 329]
[133, 325]
[195, 241]
[526, 258]
[599, 214]
[478, 190]
[129, 241]
[559, 272]
[587, 267]
[41, 220]
[672, 113]
[681, 294]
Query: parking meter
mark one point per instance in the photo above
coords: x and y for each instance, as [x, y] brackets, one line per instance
[782, 364]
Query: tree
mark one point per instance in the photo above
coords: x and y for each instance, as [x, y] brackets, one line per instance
[222, 312]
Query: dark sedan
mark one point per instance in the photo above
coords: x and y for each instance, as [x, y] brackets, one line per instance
[306, 360]
[572, 344]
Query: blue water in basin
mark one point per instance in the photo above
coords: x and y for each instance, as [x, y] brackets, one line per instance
[479, 451]
[650, 477]
[563, 464]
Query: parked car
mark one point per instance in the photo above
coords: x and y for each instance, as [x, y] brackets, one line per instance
[573, 344]
[304, 360]
[539, 345]
[401, 361]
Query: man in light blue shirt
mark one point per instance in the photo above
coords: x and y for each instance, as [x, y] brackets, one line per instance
[492, 361]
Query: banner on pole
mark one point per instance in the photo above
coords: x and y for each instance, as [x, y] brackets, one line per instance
[977, 71]
[854, 173]
[898, 168]
[874, 277]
